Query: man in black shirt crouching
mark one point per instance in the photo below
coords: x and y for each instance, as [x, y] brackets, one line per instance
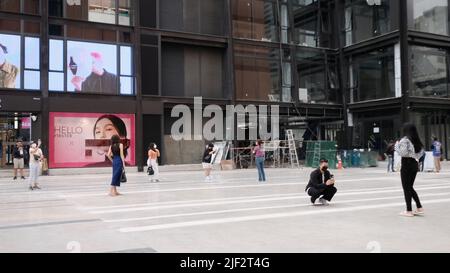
[321, 184]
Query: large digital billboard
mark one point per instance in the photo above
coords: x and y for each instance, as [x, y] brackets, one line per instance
[83, 139]
[91, 68]
[13, 68]
[10, 61]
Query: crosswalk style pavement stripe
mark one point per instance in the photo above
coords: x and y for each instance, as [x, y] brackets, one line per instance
[201, 204]
[256, 209]
[242, 197]
[213, 187]
[267, 216]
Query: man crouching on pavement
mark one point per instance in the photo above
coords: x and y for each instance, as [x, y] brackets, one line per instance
[321, 184]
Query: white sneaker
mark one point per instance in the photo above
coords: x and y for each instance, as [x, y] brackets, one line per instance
[324, 202]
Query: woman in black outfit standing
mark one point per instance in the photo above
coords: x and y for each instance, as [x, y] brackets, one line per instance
[410, 148]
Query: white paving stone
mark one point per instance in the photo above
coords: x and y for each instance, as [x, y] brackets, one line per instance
[234, 213]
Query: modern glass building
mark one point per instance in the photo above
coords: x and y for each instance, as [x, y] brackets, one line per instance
[75, 71]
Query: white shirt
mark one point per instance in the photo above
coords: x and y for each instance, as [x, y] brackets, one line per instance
[405, 148]
[38, 152]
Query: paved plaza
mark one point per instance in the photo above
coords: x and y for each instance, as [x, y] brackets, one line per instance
[234, 213]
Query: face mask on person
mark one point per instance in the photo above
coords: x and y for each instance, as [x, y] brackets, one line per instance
[155, 146]
[324, 168]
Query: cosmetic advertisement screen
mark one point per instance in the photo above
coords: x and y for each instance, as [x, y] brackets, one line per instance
[83, 139]
[10, 61]
[92, 68]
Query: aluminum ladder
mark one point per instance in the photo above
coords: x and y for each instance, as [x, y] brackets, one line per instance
[293, 158]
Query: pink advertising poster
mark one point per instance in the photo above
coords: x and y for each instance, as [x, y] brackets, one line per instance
[83, 139]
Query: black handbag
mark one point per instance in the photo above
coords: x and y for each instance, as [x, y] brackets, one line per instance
[150, 170]
[37, 157]
[123, 177]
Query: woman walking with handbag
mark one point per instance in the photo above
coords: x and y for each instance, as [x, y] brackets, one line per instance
[410, 148]
[117, 155]
[152, 162]
[36, 156]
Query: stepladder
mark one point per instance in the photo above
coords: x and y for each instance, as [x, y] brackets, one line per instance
[293, 157]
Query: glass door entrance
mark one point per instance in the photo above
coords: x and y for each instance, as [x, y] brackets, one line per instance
[13, 127]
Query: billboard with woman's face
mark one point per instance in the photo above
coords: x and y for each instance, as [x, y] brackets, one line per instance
[83, 139]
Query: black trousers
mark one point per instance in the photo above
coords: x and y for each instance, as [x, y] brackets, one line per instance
[408, 173]
[327, 193]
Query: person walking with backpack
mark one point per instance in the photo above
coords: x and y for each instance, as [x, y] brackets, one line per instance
[152, 162]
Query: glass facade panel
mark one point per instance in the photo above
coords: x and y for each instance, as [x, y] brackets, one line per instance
[32, 60]
[433, 123]
[56, 59]
[306, 23]
[31, 6]
[32, 79]
[257, 71]
[429, 69]
[367, 19]
[255, 19]
[197, 16]
[125, 12]
[10, 6]
[56, 81]
[311, 73]
[102, 11]
[189, 71]
[372, 75]
[430, 16]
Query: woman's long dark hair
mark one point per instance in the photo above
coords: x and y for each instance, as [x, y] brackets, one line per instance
[120, 127]
[410, 131]
[115, 139]
[115, 142]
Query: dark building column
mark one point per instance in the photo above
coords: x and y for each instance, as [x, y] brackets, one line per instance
[339, 8]
[231, 85]
[138, 73]
[44, 78]
[404, 57]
